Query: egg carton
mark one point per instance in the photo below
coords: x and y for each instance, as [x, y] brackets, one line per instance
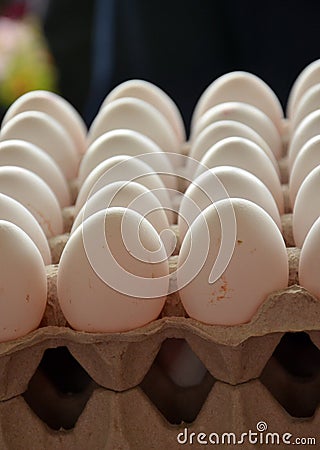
[121, 369]
[129, 421]
[123, 406]
[106, 357]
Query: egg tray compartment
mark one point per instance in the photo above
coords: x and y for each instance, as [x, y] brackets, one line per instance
[120, 361]
[235, 356]
[129, 420]
[228, 352]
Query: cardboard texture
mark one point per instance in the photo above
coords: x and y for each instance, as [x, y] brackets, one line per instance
[124, 400]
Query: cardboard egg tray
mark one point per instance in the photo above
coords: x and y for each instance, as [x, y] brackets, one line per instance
[64, 389]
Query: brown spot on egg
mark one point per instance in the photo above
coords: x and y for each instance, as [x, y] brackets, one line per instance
[28, 298]
[224, 290]
[239, 241]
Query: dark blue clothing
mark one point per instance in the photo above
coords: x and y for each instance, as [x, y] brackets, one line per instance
[179, 45]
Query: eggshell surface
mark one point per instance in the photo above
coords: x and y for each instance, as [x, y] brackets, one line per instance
[14, 212]
[125, 194]
[227, 128]
[152, 94]
[42, 130]
[307, 159]
[124, 168]
[257, 267]
[20, 153]
[30, 190]
[240, 86]
[309, 102]
[223, 182]
[23, 293]
[309, 76]
[247, 114]
[55, 106]
[138, 115]
[245, 154]
[309, 261]
[307, 129]
[306, 207]
[131, 143]
[86, 298]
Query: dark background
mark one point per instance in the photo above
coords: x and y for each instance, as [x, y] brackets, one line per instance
[181, 46]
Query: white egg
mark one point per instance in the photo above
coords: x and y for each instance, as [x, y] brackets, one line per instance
[29, 189]
[307, 159]
[152, 94]
[127, 195]
[306, 207]
[243, 87]
[245, 154]
[223, 182]
[42, 130]
[124, 168]
[307, 129]
[132, 143]
[55, 106]
[228, 290]
[23, 293]
[15, 212]
[309, 76]
[247, 114]
[222, 129]
[309, 261]
[138, 115]
[94, 293]
[16, 152]
[309, 102]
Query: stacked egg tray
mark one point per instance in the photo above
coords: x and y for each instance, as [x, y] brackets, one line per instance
[61, 388]
[260, 385]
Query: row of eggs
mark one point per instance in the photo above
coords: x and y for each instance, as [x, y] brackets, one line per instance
[249, 120]
[304, 151]
[94, 295]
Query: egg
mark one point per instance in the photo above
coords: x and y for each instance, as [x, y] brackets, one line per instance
[247, 114]
[307, 159]
[124, 168]
[29, 189]
[153, 95]
[14, 212]
[132, 143]
[308, 128]
[306, 208]
[129, 195]
[16, 152]
[222, 129]
[138, 115]
[23, 293]
[309, 76]
[245, 154]
[243, 87]
[111, 271]
[55, 106]
[226, 272]
[309, 261]
[310, 101]
[45, 132]
[223, 182]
